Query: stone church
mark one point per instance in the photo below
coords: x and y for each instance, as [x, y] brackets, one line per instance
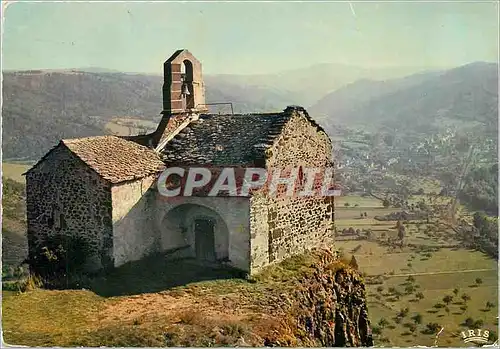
[101, 191]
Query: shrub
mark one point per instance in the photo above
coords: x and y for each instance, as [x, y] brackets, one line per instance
[469, 322]
[383, 322]
[31, 283]
[417, 318]
[438, 305]
[447, 299]
[409, 289]
[403, 312]
[432, 328]
[62, 255]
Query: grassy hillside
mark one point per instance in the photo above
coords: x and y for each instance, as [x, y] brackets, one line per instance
[226, 312]
[14, 243]
[41, 108]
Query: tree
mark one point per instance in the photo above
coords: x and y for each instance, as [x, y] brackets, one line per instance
[479, 281]
[455, 291]
[432, 327]
[465, 297]
[369, 233]
[409, 289]
[489, 305]
[383, 322]
[469, 322]
[403, 312]
[447, 299]
[386, 203]
[478, 324]
[376, 330]
[410, 279]
[417, 318]
[346, 204]
[398, 224]
[412, 328]
[380, 288]
[366, 214]
[354, 263]
[419, 296]
[401, 233]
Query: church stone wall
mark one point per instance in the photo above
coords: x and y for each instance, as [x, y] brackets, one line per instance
[283, 226]
[64, 197]
[134, 234]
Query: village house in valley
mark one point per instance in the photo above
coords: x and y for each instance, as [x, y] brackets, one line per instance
[98, 197]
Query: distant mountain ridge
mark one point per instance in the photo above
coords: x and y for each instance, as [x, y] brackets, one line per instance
[465, 94]
[41, 107]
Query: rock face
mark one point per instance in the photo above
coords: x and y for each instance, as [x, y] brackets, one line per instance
[329, 307]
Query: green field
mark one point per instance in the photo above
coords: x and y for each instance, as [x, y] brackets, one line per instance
[129, 126]
[15, 170]
[436, 263]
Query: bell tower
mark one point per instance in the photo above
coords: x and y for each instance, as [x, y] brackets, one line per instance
[183, 87]
[183, 96]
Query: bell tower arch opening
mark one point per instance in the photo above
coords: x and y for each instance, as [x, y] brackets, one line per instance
[187, 89]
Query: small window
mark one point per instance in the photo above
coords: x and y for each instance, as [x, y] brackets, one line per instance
[301, 176]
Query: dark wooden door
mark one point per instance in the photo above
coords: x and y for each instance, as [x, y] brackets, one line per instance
[204, 239]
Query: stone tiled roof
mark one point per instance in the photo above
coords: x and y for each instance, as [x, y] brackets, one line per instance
[115, 159]
[228, 139]
[225, 139]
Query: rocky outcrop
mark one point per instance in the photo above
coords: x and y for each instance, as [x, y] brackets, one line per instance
[328, 307]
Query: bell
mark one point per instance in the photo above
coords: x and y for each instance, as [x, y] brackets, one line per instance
[185, 90]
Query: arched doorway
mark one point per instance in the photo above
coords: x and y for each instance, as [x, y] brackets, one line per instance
[198, 231]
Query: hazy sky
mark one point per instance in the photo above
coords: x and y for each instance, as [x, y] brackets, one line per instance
[248, 38]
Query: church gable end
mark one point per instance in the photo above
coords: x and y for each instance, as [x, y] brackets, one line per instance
[68, 205]
[281, 225]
